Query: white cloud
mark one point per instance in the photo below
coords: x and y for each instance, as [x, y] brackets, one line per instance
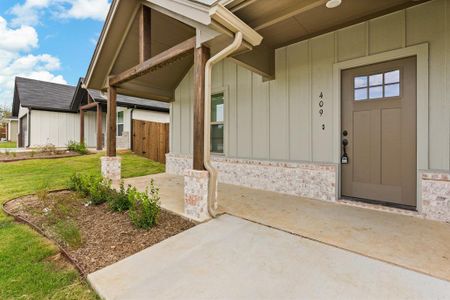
[15, 61]
[31, 11]
[87, 9]
[21, 39]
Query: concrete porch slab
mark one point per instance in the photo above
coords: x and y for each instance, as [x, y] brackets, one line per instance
[406, 241]
[230, 258]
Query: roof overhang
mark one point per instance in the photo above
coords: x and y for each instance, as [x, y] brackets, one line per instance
[116, 51]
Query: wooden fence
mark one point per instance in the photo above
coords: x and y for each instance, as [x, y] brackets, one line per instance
[151, 139]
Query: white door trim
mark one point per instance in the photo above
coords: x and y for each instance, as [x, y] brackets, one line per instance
[421, 52]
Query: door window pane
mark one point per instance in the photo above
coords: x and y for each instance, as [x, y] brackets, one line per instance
[376, 92]
[392, 90]
[217, 138]
[377, 86]
[360, 81]
[392, 77]
[361, 94]
[376, 79]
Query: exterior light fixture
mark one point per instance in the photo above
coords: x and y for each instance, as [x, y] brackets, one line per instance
[333, 3]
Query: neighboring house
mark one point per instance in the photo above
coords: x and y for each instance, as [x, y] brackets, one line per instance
[13, 129]
[49, 113]
[350, 102]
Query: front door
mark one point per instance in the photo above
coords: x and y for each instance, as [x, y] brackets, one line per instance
[379, 132]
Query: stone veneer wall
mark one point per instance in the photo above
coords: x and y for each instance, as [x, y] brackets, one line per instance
[111, 168]
[196, 195]
[122, 142]
[435, 190]
[317, 181]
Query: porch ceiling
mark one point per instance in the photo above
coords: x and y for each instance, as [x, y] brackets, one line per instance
[288, 21]
[166, 32]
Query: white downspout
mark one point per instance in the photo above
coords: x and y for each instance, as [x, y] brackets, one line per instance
[212, 185]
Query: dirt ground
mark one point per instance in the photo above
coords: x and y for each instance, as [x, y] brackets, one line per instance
[106, 236]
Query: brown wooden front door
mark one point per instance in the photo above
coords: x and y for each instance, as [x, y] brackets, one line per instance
[379, 130]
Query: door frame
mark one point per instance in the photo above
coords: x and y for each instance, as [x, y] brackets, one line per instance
[421, 52]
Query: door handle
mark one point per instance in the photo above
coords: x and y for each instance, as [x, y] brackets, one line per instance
[344, 157]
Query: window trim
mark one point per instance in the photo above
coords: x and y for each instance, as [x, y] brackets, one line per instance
[222, 90]
[118, 123]
[211, 124]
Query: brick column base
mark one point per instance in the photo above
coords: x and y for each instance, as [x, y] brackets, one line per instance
[196, 195]
[111, 168]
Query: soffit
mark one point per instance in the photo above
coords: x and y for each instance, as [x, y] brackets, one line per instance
[280, 25]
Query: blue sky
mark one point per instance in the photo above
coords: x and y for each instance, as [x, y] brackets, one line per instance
[50, 40]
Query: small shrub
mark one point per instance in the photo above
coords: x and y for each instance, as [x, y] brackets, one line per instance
[69, 232]
[32, 153]
[48, 148]
[96, 188]
[77, 147]
[7, 152]
[100, 190]
[145, 207]
[119, 201]
[14, 154]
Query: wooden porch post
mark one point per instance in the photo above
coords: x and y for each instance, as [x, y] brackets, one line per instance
[111, 122]
[201, 55]
[99, 127]
[81, 126]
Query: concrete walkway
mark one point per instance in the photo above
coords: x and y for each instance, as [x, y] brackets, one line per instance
[406, 241]
[230, 258]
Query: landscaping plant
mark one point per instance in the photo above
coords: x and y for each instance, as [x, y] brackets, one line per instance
[77, 147]
[145, 207]
[42, 192]
[48, 148]
[119, 200]
[69, 232]
[95, 187]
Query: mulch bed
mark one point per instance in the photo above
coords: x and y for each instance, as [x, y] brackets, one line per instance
[17, 156]
[107, 236]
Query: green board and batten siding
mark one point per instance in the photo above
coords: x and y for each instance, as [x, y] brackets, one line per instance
[279, 119]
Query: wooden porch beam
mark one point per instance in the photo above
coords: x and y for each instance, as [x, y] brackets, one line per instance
[99, 127]
[201, 56]
[111, 122]
[145, 33]
[276, 17]
[88, 106]
[158, 61]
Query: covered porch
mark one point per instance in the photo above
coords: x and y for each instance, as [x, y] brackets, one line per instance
[402, 239]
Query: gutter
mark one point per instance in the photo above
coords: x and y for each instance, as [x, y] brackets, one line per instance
[242, 34]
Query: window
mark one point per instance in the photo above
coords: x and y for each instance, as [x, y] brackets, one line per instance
[217, 126]
[376, 86]
[120, 123]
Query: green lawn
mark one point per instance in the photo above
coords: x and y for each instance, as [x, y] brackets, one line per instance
[26, 270]
[8, 145]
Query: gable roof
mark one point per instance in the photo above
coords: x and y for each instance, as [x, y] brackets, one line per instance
[81, 93]
[42, 95]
